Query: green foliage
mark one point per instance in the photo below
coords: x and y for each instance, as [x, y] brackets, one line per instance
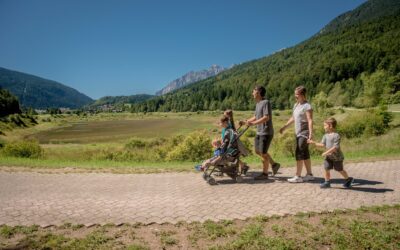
[285, 144]
[320, 102]
[214, 230]
[118, 102]
[376, 88]
[339, 63]
[194, 147]
[370, 123]
[135, 143]
[8, 103]
[24, 149]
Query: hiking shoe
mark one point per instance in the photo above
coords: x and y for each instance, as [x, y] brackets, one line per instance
[325, 184]
[245, 169]
[295, 179]
[348, 182]
[275, 168]
[308, 177]
[262, 176]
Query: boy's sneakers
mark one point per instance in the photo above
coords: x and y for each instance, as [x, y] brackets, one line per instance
[275, 168]
[348, 182]
[308, 177]
[262, 176]
[295, 179]
[198, 168]
[325, 184]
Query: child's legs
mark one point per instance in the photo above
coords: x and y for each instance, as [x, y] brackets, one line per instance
[344, 174]
[206, 163]
[338, 165]
[327, 175]
[328, 165]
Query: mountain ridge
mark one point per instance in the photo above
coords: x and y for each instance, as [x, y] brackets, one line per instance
[40, 93]
[191, 77]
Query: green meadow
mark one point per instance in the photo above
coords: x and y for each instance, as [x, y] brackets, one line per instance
[159, 142]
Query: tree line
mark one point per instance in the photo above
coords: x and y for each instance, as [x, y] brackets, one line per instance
[358, 65]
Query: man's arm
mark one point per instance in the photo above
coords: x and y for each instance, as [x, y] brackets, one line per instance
[263, 119]
[241, 123]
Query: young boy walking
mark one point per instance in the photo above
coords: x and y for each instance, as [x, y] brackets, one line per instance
[333, 155]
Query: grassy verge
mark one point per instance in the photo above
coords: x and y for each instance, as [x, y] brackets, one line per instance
[14, 164]
[89, 155]
[365, 228]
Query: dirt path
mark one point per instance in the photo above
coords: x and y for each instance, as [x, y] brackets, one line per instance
[54, 199]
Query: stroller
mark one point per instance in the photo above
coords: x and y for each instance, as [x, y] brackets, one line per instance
[229, 165]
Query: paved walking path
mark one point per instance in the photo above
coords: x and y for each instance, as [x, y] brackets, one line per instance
[54, 199]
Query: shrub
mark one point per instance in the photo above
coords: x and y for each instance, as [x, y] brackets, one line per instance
[25, 149]
[250, 133]
[371, 122]
[194, 147]
[285, 144]
[247, 145]
[135, 143]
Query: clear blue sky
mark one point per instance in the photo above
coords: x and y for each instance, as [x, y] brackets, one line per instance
[131, 47]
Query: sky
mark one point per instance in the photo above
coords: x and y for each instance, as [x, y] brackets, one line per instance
[121, 47]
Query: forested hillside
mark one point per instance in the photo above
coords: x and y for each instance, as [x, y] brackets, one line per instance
[8, 103]
[40, 93]
[356, 65]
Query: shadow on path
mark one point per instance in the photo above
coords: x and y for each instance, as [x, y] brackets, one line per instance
[357, 185]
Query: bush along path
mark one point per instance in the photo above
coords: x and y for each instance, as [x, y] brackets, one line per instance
[29, 198]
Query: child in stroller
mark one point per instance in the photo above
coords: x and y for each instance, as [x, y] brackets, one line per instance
[228, 161]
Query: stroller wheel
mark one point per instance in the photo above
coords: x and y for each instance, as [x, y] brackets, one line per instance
[239, 179]
[211, 181]
[205, 175]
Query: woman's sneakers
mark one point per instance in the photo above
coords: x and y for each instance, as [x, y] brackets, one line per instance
[326, 184]
[308, 177]
[299, 179]
[295, 179]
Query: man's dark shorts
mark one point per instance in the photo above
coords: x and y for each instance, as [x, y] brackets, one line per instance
[302, 152]
[262, 143]
[337, 165]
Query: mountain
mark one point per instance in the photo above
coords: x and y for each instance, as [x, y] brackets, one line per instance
[367, 11]
[40, 93]
[191, 77]
[355, 62]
